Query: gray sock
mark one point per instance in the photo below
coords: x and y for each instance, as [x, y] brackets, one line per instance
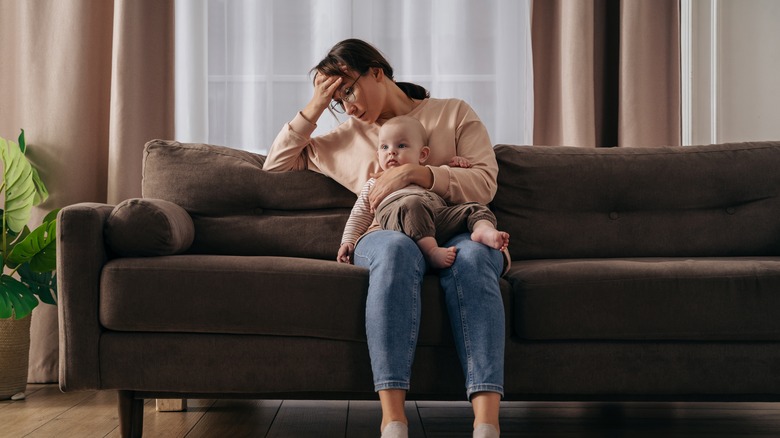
[485, 430]
[395, 429]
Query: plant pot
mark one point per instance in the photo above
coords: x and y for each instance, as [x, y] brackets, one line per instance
[14, 355]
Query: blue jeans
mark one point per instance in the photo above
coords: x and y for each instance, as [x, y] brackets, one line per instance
[396, 269]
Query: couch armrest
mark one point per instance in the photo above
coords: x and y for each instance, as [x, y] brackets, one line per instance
[81, 254]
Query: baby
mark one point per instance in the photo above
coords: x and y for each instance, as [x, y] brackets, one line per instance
[420, 214]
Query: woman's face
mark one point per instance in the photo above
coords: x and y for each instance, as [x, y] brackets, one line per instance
[362, 96]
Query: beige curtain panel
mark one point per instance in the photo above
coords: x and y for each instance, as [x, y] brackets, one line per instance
[606, 72]
[90, 81]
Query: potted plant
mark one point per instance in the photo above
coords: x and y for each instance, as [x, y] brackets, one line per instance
[28, 258]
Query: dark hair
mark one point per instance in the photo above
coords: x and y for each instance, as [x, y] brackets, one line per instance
[361, 56]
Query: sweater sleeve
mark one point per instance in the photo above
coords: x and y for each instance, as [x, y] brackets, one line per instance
[347, 153]
[290, 149]
[360, 218]
[477, 183]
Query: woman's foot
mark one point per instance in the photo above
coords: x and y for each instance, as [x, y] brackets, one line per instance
[395, 429]
[485, 430]
[440, 258]
[488, 235]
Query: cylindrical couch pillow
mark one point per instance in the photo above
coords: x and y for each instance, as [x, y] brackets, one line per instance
[149, 227]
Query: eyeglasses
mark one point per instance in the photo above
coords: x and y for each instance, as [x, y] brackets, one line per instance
[347, 96]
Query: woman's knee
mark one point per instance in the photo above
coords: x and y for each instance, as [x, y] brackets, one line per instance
[389, 247]
[394, 242]
[475, 254]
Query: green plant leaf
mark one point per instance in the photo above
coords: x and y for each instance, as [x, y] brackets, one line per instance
[6, 311]
[20, 189]
[52, 216]
[22, 143]
[42, 284]
[39, 248]
[31, 253]
[22, 300]
[41, 194]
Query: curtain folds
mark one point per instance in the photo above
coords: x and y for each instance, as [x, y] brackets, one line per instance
[258, 56]
[607, 72]
[90, 81]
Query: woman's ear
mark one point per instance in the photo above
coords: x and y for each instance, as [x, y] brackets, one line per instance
[424, 152]
[378, 73]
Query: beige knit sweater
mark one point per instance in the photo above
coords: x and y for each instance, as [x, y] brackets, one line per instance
[348, 153]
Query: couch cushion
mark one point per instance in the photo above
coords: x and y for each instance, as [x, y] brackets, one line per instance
[148, 227]
[209, 180]
[240, 209]
[233, 294]
[252, 295]
[568, 202]
[310, 234]
[701, 299]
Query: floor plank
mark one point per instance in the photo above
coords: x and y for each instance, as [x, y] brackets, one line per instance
[310, 419]
[365, 418]
[446, 420]
[20, 418]
[47, 412]
[237, 418]
[94, 417]
[170, 424]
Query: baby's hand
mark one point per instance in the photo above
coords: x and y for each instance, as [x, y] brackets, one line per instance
[457, 161]
[345, 253]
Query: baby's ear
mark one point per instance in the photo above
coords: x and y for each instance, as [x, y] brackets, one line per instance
[424, 152]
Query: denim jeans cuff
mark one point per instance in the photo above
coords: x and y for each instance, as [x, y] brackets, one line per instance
[485, 387]
[391, 384]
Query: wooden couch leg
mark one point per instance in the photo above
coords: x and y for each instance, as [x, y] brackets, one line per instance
[171, 404]
[131, 415]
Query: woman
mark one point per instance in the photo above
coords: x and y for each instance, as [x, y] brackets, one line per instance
[354, 78]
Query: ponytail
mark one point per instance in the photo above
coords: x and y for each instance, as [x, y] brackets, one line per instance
[413, 90]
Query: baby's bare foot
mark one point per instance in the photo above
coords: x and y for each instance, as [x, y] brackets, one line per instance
[491, 237]
[441, 258]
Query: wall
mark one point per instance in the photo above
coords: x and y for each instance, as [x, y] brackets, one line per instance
[735, 71]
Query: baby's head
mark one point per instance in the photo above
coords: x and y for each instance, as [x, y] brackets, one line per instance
[402, 140]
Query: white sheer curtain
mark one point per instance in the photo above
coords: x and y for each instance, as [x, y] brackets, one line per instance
[242, 65]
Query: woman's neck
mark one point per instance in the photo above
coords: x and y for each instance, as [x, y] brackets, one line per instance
[397, 103]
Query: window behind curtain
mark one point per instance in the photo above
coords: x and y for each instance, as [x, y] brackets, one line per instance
[242, 65]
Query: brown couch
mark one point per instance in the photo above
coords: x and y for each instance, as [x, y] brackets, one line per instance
[638, 274]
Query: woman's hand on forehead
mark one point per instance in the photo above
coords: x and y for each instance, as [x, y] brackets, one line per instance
[325, 87]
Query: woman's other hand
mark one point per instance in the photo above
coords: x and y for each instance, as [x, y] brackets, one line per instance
[457, 161]
[397, 178]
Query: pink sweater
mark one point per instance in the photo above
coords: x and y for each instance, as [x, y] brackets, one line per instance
[348, 153]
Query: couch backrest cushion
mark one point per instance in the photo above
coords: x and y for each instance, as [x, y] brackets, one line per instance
[568, 202]
[219, 181]
[239, 208]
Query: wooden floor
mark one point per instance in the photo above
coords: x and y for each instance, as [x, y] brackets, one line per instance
[47, 412]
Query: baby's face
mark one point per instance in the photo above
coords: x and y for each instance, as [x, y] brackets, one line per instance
[398, 146]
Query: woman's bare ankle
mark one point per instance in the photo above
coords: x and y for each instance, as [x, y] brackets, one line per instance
[393, 411]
